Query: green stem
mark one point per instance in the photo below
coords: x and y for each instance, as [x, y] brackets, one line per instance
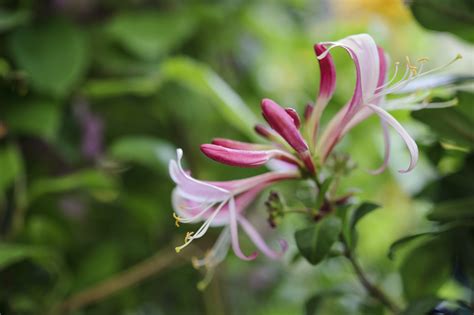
[372, 289]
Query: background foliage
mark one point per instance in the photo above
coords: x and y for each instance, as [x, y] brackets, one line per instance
[96, 96]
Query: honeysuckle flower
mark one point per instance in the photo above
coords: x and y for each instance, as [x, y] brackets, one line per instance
[291, 154]
[370, 91]
[221, 204]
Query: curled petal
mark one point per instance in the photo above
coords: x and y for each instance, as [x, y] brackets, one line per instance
[283, 123]
[386, 136]
[327, 83]
[410, 143]
[294, 115]
[235, 234]
[192, 188]
[259, 242]
[243, 158]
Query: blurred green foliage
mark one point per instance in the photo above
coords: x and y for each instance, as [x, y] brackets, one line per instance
[96, 95]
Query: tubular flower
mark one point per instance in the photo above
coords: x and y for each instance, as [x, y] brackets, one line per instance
[221, 204]
[371, 88]
[289, 154]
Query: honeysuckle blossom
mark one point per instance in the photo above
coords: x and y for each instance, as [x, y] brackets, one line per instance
[371, 88]
[290, 153]
[221, 204]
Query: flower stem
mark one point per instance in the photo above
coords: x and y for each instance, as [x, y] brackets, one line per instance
[372, 289]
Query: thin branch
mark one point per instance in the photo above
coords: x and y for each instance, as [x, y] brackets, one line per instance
[370, 287]
[155, 264]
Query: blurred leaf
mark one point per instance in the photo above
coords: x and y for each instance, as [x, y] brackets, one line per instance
[315, 242]
[147, 151]
[421, 306]
[461, 209]
[358, 213]
[54, 55]
[200, 78]
[35, 118]
[104, 88]
[312, 304]
[454, 16]
[99, 263]
[11, 165]
[425, 269]
[9, 20]
[96, 182]
[449, 123]
[404, 241]
[151, 34]
[42, 230]
[12, 253]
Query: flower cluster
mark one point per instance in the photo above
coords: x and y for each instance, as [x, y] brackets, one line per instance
[295, 148]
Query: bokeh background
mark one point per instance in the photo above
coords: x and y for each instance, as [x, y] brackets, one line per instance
[95, 96]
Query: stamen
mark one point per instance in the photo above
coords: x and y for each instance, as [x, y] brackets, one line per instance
[423, 59]
[177, 218]
[413, 68]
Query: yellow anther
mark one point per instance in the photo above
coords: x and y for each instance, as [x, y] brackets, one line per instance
[177, 218]
[413, 68]
[177, 249]
[423, 59]
[195, 262]
[458, 56]
[188, 236]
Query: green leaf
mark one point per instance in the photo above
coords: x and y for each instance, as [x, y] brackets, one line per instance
[54, 55]
[201, 79]
[11, 164]
[404, 241]
[103, 88]
[460, 209]
[12, 253]
[315, 242]
[151, 34]
[449, 123]
[425, 269]
[357, 214]
[454, 16]
[147, 151]
[9, 20]
[34, 118]
[99, 184]
[421, 306]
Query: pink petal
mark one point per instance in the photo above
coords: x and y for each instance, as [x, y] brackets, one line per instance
[193, 188]
[235, 233]
[327, 83]
[283, 123]
[232, 144]
[410, 143]
[294, 115]
[259, 242]
[241, 185]
[243, 158]
[386, 136]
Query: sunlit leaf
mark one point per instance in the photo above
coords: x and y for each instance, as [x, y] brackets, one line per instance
[200, 78]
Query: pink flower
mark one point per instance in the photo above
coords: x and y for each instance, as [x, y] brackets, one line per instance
[221, 204]
[288, 152]
[370, 90]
